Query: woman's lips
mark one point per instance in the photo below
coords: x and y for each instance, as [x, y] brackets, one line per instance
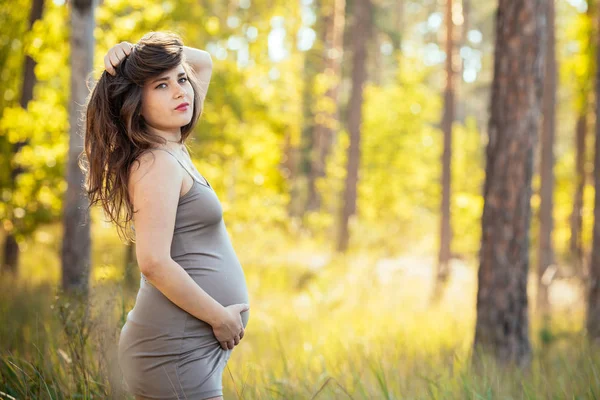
[182, 107]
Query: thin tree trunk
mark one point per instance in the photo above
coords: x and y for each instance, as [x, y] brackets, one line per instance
[132, 275]
[291, 151]
[327, 117]
[581, 132]
[502, 326]
[29, 80]
[546, 249]
[399, 33]
[10, 263]
[290, 164]
[76, 239]
[593, 307]
[447, 119]
[313, 63]
[361, 30]
[462, 97]
[576, 241]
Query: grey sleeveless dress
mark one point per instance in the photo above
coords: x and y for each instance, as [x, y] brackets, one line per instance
[164, 352]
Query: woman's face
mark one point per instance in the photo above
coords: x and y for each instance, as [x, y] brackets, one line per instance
[162, 99]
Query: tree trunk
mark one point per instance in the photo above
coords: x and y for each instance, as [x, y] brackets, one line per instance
[290, 166]
[502, 327]
[593, 307]
[326, 116]
[313, 64]
[576, 241]
[397, 39]
[76, 238]
[10, 263]
[292, 147]
[581, 132]
[132, 275]
[460, 106]
[546, 249]
[29, 80]
[360, 33]
[447, 119]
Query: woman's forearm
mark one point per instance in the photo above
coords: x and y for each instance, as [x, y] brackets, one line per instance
[197, 58]
[179, 287]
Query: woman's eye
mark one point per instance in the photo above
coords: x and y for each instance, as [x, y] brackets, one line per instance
[164, 84]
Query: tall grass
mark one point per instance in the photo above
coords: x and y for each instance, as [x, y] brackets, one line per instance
[321, 326]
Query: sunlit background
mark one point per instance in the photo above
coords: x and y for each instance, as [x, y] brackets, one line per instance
[327, 320]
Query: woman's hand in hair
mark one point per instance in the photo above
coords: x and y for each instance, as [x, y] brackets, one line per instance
[115, 55]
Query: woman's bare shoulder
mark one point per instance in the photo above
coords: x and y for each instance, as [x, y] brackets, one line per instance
[155, 185]
[154, 165]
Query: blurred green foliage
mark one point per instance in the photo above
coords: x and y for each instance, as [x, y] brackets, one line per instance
[255, 108]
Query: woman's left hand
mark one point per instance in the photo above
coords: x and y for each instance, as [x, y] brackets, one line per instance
[115, 55]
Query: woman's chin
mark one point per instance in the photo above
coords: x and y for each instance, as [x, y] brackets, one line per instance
[181, 121]
[187, 123]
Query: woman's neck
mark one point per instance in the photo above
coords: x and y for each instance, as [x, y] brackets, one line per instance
[176, 147]
[171, 136]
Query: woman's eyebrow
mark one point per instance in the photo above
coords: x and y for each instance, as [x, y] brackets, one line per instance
[166, 78]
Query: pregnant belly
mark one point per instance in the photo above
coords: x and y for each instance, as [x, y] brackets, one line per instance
[227, 285]
[155, 319]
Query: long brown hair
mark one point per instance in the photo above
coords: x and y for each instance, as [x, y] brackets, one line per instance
[115, 131]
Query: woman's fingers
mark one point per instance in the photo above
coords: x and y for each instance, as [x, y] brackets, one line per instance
[230, 344]
[115, 55]
[121, 53]
[126, 47]
[110, 63]
[114, 60]
[108, 66]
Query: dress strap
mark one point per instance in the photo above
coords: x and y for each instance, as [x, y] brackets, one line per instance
[186, 168]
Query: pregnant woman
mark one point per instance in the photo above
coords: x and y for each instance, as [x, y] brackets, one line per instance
[192, 306]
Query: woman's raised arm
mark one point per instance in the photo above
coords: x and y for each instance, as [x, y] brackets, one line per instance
[202, 64]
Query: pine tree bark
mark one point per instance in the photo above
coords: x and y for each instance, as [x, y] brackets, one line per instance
[361, 30]
[581, 132]
[327, 116]
[546, 248]
[313, 63]
[502, 326]
[76, 237]
[576, 241]
[593, 306]
[447, 120]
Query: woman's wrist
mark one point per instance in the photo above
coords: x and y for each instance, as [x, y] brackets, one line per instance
[216, 315]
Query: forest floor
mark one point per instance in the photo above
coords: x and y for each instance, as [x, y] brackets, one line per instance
[322, 325]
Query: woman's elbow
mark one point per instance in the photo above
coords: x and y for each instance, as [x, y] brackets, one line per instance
[149, 265]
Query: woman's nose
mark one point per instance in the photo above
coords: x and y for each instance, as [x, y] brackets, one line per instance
[180, 92]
